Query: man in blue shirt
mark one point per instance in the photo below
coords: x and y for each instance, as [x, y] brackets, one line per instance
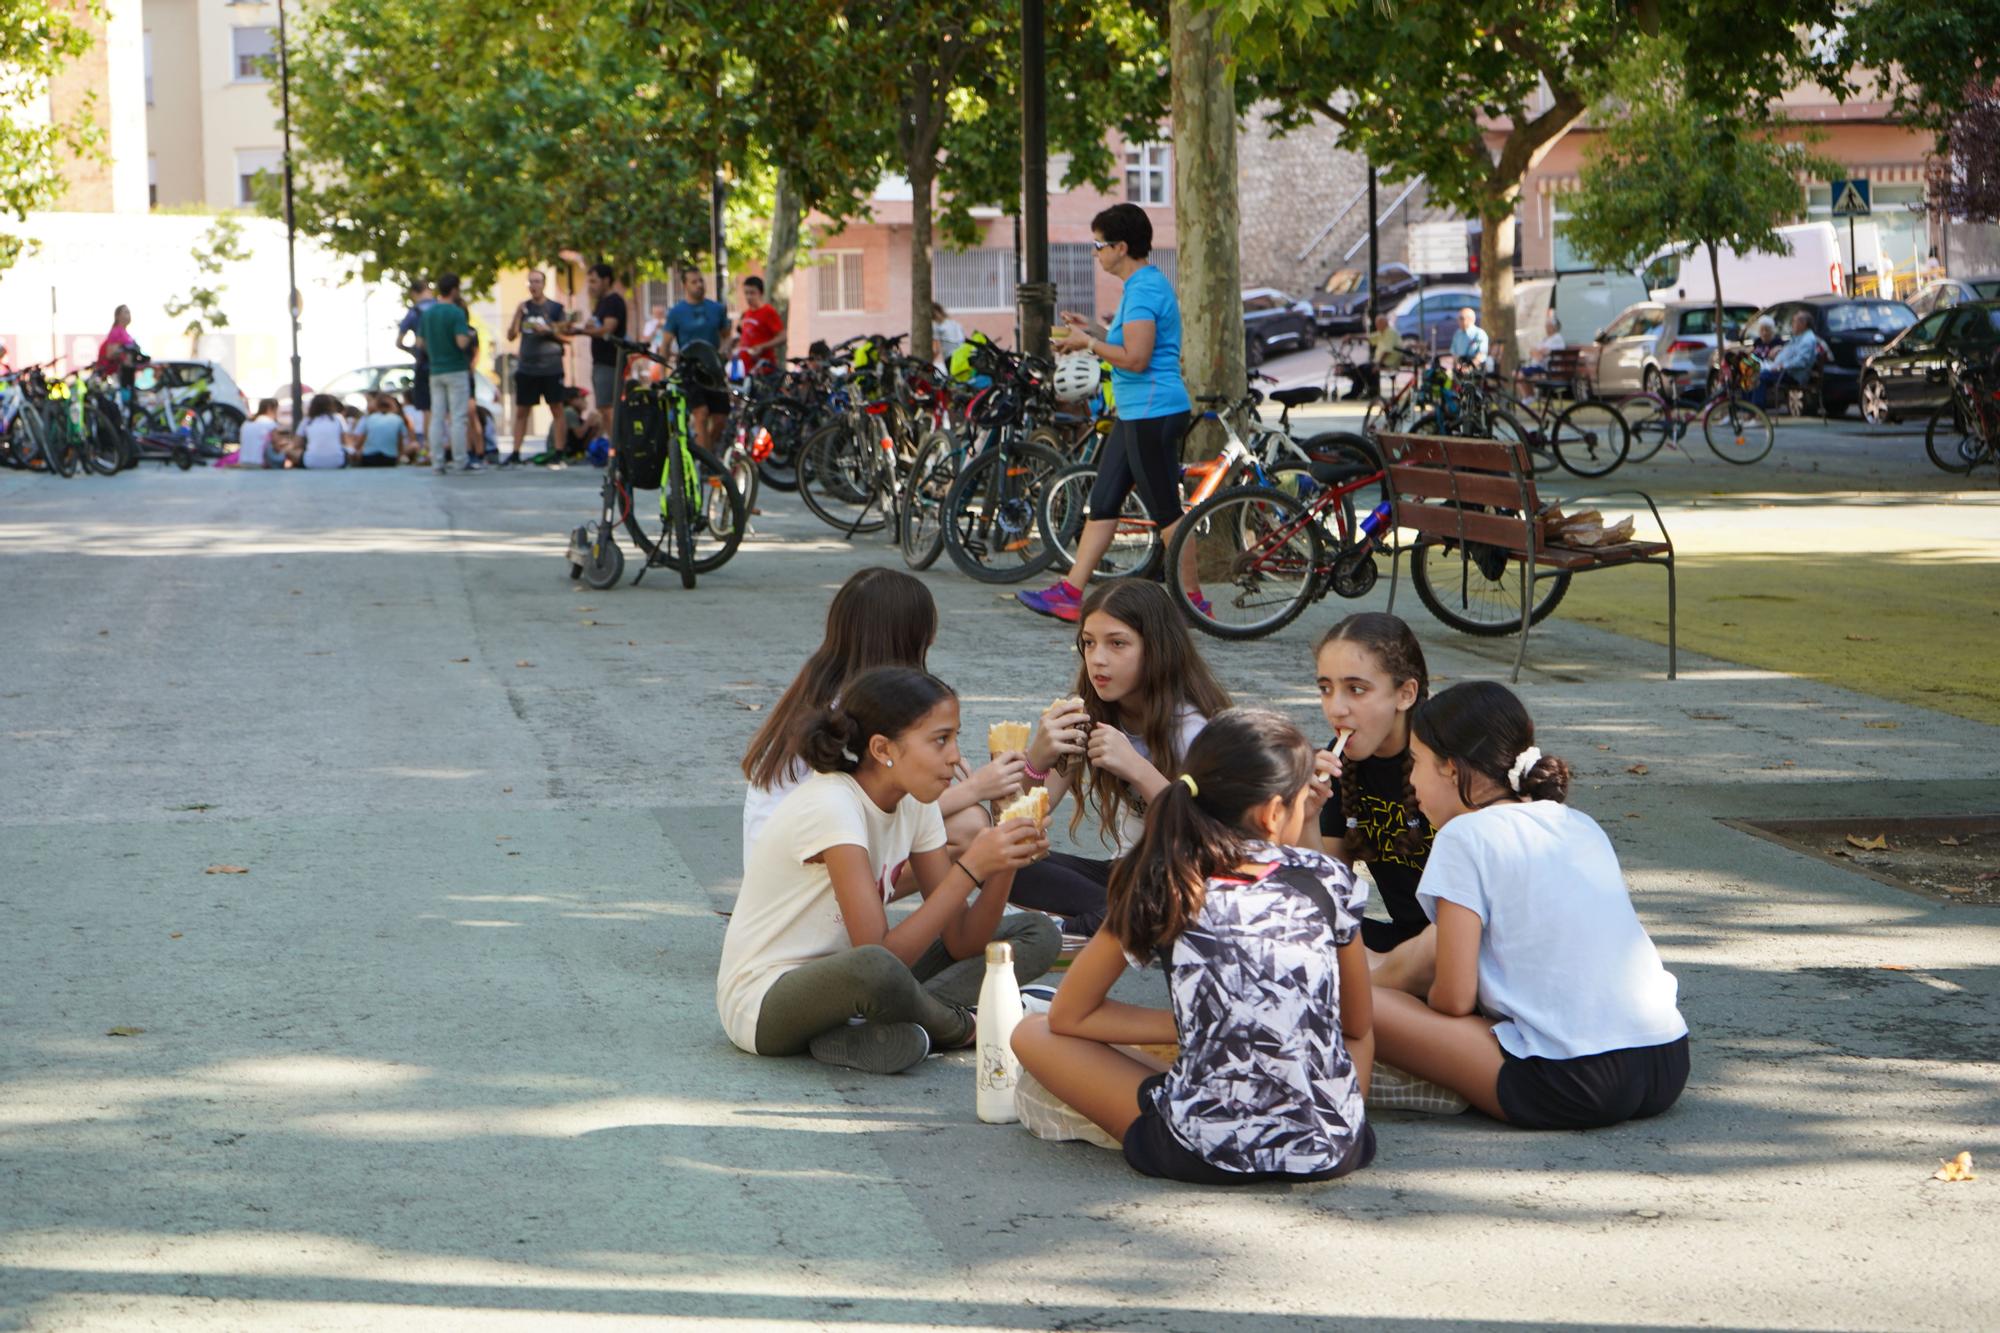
[1794, 361]
[410, 338]
[698, 320]
[1470, 344]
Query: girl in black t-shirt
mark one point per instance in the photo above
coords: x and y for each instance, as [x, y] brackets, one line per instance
[1371, 673]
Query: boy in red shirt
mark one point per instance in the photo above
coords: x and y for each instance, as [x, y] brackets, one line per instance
[760, 330]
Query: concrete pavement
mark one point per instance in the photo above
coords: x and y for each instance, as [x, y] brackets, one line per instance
[446, 1057]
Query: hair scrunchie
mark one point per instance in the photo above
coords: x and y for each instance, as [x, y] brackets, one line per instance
[1188, 781]
[1524, 764]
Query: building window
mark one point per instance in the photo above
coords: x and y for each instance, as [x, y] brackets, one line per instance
[1149, 174]
[252, 163]
[973, 279]
[1167, 262]
[152, 181]
[840, 282]
[1073, 269]
[248, 49]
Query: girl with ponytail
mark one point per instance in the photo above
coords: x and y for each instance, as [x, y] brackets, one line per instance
[1547, 1004]
[810, 961]
[1261, 940]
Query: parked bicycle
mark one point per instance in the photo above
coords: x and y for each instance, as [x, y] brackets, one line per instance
[1737, 430]
[1965, 432]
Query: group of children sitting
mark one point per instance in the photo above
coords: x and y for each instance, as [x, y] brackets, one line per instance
[391, 432]
[1512, 969]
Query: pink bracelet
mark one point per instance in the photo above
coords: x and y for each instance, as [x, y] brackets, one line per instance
[1032, 771]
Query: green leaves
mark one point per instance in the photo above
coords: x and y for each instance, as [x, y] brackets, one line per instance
[38, 38]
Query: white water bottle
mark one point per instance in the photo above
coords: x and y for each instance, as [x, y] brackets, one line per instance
[999, 1012]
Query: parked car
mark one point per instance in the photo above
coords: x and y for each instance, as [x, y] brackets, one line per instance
[1649, 341]
[179, 380]
[1429, 315]
[1948, 292]
[353, 388]
[1853, 329]
[1342, 306]
[1681, 273]
[1584, 301]
[1272, 320]
[1909, 376]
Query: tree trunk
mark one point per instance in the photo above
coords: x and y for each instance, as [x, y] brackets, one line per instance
[922, 169]
[1715, 278]
[786, 213]
[1496, 283]
[1205, 209]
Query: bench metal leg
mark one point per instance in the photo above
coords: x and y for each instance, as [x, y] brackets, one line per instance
[1395, 565]
[1673, 630]
[1527, 601]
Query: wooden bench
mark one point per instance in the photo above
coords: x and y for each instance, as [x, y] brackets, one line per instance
[1561, 377]
[1478, 494]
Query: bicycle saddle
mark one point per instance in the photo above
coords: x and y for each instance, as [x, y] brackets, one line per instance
[1333, 474]
[1305, 393]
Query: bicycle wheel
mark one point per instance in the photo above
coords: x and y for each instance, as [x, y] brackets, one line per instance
[680, 517]
[717, 509]
[1476, 589]
[59, 449]
[1737, 431]
[1950, 441]
[920, 524]
[1135, 546]
[1649, 425]
[651, 525]
[992, 530]
[1589, 438]
[1254, 556]
[104, 441]
[24, 437]
[785, 420]
[837, 480]
[1509, 429]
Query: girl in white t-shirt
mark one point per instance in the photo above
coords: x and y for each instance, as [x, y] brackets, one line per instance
[811, 961]
[880, 617]
[1548, 1007]
[1142, 694]
[1266, 971]
[324, 435]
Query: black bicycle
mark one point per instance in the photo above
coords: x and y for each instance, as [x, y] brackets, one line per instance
[654, 450]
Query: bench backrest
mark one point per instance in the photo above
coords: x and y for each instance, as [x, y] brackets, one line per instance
[1447, 486]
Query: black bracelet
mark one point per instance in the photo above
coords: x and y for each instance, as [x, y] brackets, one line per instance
[977, 882]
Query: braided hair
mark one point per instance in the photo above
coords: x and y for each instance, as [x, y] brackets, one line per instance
[1401, 658]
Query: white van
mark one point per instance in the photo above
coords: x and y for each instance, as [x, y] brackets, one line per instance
[1585, 302]
[1812, 268]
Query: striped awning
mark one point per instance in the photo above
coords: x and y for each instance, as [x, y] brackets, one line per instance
[1880, 173]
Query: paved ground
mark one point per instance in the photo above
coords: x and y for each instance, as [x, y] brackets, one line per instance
[446, 1057]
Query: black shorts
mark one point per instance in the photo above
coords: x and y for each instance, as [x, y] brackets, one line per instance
[1144, 454]
[532, 389]
[376, 460]
[1592, 1091]
[714, 400]
[420, 387]
[1152, 1150]
[1071, 887]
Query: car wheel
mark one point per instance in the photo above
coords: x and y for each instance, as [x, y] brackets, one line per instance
[1874, 402]
[1650, 382]
[1253, 351]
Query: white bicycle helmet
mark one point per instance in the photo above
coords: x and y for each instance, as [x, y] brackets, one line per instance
[1077, 377]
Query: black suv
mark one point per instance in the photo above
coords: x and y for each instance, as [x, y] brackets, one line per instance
[1910, 377]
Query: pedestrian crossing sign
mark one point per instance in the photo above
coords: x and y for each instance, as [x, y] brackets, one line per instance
[1850, 198]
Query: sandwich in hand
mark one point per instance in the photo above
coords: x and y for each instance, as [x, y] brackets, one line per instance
[1030, 804]
[1006, 738]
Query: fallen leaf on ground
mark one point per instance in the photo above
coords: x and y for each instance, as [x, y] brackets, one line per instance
[1988, 877]
[1842, 851]
[631, 643]
[746, 705]
[196, 806]
[1709, 717]
[1861, 638]
[1882, 726]
[295, 592]
[123, 1032]
[524, 662]
[1878, 843]
[1956, 888]
[1603, 747]
[586, 608]
[1633, 814]
[1894, 967]
[513, 853]
[1955, 1169]
[103, 632]
[1640, 769]
[1951, 842]
[227, 870]
[506, 789]
[461, 659]
[173, 934]
[503, 837]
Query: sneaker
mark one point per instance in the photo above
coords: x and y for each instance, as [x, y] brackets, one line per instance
[474, 465]
[1037, 999]
[1203, 607]
[1060, 600]
[873, 1048]
[511, 460]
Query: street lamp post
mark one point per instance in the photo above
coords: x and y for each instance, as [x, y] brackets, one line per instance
[1037, 295]
[291, 228]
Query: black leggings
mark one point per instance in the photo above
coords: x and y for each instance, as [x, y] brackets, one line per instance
[1145, 454]
[1071, 887]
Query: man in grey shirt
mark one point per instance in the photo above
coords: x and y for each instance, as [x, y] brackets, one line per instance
[538, 370]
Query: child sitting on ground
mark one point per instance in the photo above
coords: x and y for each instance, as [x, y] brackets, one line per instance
[810, 961]
[1548, 1007]
[1267, 973]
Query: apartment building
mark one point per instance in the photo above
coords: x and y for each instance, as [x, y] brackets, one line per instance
[211, 122]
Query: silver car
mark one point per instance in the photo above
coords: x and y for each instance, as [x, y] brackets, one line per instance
[1652, 338]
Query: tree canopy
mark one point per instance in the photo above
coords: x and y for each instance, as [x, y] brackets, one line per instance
[37, 39]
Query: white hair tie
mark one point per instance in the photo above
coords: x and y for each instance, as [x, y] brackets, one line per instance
[1523, 765]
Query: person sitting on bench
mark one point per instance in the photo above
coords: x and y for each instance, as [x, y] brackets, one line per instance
[1793, 363]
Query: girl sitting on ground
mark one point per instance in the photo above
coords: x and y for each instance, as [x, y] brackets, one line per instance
[1268, 977]
[880, 617]
[384, 438]
[323, 440]
[1548, 1007]
[810, 961]
[1142, 694]
[1371, 674]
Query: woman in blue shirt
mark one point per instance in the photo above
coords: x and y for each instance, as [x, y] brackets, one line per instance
[1143, 347]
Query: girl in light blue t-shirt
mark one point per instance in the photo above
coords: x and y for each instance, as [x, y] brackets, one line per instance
[1548, 1006]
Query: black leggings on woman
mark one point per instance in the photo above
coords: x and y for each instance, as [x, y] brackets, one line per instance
[1070, 887]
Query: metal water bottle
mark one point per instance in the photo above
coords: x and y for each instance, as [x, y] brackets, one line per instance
[999, 1012]
[1375, 520]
